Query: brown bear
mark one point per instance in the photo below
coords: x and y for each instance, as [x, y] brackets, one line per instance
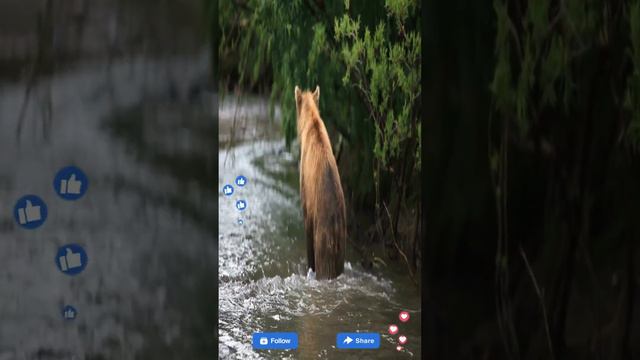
[323, 207]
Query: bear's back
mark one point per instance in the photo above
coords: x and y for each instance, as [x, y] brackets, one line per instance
[323, 196]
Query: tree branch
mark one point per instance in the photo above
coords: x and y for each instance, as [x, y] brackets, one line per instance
[541, 298]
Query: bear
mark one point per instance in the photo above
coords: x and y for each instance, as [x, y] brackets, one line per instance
[321, 195]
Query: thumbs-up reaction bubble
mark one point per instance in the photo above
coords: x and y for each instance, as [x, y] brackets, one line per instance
[30, 211]
[69, 313]
[227, 190]
[241, 181]
[71, 259]
[70, 183]
[241, 205]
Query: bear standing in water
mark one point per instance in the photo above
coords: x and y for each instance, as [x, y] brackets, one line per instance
[323, 208]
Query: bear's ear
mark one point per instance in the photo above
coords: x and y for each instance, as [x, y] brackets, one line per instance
[316, 95]
[298, 93]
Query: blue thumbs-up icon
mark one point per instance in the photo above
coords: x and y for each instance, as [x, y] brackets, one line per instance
[241, 181]
[30, 211]
[241, 205]
[71, 259]
[227, 190]
[70, 183]
[69, 313]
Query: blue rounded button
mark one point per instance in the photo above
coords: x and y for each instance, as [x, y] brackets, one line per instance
[71, 259]
[241, 181]
[241, 205]
[69, 313]
[70, 183]
[30, 211]
[275, 340]
[227, 190]
[358, 341]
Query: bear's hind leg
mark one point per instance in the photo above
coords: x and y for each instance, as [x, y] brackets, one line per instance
[325, 256]
[308, 227]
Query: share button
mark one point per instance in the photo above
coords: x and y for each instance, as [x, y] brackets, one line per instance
[358, 341]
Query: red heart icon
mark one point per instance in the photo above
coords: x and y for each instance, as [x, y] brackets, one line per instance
[399, 348]
[393, 329]
[404, 316]
[402, 339]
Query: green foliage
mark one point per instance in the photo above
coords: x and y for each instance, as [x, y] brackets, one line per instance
[632, 98]
[535, 63]
[385, 69]
[535, 58]
[368, 66]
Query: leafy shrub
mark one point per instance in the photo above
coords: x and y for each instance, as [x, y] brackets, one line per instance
[368, 66]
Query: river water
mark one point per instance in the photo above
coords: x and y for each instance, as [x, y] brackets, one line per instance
[148, 291]
[263, 282]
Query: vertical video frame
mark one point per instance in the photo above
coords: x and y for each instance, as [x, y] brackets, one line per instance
[319, 179]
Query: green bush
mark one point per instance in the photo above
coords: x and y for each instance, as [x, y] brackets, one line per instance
[366, 58]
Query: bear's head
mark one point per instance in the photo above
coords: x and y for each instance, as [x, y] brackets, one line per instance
[305, 101]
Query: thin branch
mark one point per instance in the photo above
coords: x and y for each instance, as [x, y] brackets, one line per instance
[541, 298]
[395, 243]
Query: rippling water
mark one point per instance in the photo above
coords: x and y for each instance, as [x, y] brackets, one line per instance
[263, 279]
[148, 289]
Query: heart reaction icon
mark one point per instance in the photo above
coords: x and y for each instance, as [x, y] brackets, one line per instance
[393, 329]
[404, 316]
[402, 339]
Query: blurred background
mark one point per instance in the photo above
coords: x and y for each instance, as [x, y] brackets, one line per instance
[124, 91]
[532, 136]
[366, 58]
